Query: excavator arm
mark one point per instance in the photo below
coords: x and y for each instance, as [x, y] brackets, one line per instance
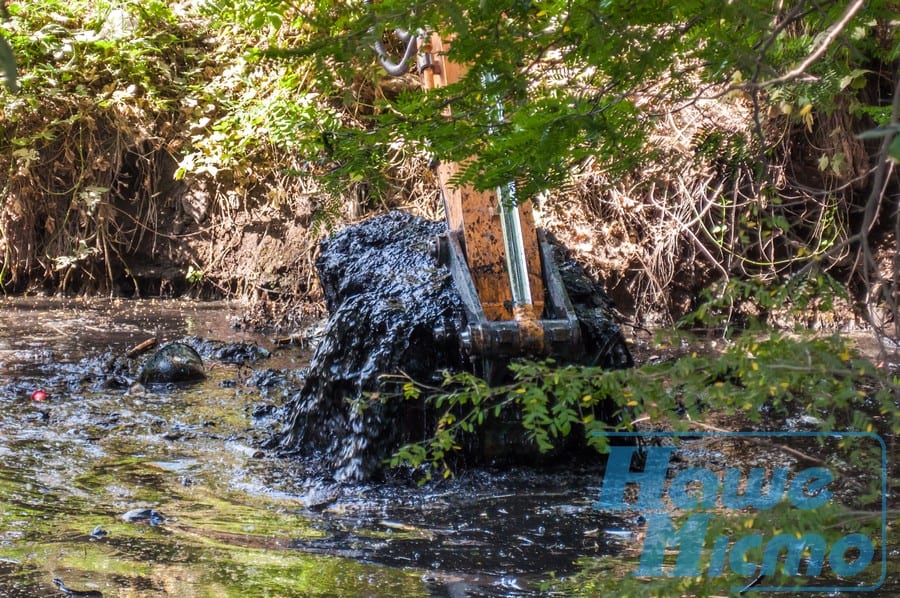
[501, 264]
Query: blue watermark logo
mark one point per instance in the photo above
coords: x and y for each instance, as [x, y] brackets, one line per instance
[774, 541]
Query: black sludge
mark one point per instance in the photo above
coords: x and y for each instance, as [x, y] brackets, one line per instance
[601, 336]
[386, 295]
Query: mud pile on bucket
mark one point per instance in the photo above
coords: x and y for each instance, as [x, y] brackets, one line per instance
[386, 296]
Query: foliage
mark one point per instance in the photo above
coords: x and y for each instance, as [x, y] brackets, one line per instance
[99, 91]
[283, 97]
[566, 92]
[735, 304]
[546, 99]
[760, 378]
[758, 381]
[113, 96]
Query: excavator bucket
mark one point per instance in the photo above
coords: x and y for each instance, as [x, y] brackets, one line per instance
[557, 333]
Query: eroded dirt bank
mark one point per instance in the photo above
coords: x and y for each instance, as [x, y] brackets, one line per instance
[145, 154]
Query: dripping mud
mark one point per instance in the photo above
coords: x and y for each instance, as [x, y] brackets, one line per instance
[394, 309]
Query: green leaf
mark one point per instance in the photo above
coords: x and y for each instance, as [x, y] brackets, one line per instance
[894, 149]
[879, 132]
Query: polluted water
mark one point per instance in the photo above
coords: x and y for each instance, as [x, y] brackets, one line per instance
[257, 479]
[115, 487]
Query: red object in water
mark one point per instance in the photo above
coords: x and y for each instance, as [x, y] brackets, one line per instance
[39, 395]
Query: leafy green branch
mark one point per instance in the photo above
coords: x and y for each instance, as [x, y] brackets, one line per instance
[757, 380]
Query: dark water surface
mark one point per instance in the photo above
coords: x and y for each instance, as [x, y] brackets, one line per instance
[230, 520]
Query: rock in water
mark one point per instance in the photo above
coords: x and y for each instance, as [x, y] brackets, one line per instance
[176, 362]
[143, 516]
[386, 296]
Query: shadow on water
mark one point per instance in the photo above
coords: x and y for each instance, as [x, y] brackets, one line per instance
[231, 520]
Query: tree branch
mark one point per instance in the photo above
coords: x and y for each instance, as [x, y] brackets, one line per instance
[880, 183]
[827, 40]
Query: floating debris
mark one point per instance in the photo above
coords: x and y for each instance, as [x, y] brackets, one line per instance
[148, 516]
[141, 348]
[79, 593]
